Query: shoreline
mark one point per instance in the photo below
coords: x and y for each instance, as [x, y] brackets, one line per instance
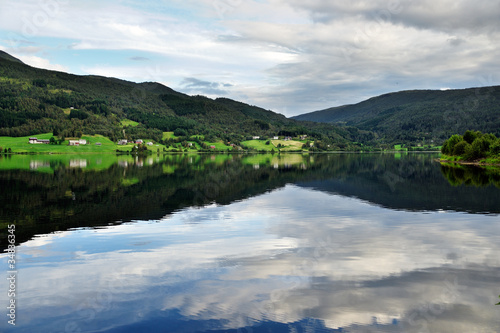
[221, 152]
[470, 163]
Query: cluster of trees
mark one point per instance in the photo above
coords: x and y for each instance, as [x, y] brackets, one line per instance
[473, 145]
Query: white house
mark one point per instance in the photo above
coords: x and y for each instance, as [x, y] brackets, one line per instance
[256, 137]
[276, 138]
[149, 143]
[122, 142]
[77, 142]
[34, 140]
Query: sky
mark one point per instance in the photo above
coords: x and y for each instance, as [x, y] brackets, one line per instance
[290, 56]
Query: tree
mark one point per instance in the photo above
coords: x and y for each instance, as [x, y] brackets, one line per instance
[52, 141]
[460, 148]
[449, 144]
[470, 136]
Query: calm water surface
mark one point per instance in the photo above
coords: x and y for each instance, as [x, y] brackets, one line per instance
[260, 243]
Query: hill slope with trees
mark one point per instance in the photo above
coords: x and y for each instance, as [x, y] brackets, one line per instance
[36, 101]
[410, 116]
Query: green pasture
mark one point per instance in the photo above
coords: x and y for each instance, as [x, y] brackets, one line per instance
[21, 145]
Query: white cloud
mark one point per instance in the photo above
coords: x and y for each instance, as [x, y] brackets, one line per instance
[35, 61]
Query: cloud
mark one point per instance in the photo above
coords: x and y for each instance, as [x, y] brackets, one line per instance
[39, 62]
[139, 58]
[196, 86]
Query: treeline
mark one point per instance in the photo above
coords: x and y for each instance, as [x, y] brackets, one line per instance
[471, 146]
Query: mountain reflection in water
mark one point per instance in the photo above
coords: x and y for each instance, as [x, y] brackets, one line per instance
[262, 243]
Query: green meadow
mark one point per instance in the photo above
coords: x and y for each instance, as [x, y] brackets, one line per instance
[21, 145]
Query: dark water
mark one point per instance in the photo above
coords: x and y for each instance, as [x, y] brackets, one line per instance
[260, 243]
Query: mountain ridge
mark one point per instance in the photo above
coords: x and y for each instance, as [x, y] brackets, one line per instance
[34, 100]
[409, 115]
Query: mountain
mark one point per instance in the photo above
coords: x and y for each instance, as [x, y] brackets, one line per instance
[36, 101]
[6, 56]
[409, 116]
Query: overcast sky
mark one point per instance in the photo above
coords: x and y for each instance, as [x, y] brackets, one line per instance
[289, 56]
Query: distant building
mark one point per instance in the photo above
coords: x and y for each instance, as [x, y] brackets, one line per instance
[98, 144]
[139, 142]
[122, 142]
[256, 137]
[276, 138]
[212, 147]
[34, 140]
[77, 142]
[149, 143]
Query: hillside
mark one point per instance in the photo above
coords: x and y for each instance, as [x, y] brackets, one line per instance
[409, 116]
[36, 101]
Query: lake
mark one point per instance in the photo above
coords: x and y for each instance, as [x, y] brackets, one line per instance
[250, 243]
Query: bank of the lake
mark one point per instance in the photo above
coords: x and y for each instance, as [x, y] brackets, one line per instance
[490, 161]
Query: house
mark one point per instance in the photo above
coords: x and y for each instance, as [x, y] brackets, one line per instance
[139, 142]
[98, 144]
[303, 137]
[34, 140]
[276, 138]
[288, 138]
[77, 142]
[256, 137]
[122, 142]
[149, 143]
[212, 147]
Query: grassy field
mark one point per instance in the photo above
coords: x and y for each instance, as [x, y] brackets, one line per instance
[258, 145]
[21, 145]
[219, 145]
[168, 135]
[128, 122]
[285, 145]
[288, 145]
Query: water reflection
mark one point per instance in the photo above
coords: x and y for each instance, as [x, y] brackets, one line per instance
[195, 243]
[470, 175]
[115, 189]
[290, 260]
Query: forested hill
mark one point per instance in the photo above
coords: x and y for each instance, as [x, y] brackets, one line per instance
[35, 101]
[412, 115]
[6, 56]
